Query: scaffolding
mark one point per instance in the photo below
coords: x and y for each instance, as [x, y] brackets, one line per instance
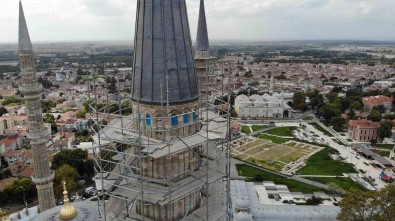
[178, 169]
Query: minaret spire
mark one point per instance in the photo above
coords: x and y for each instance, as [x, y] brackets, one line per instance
[202, 42]
[24, 38]
[38, 134]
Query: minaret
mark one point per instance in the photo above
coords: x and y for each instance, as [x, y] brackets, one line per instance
[166, 179]
[202, 56]
[38, 135]
[163, 72]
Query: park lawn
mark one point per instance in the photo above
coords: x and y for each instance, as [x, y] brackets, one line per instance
[293, 186]
[245, 129]
[322, 164]
[276, 140]
[259, 127]
[318, 127]
[282, 131]
[384, 146]
[384, 153]
[343, 182]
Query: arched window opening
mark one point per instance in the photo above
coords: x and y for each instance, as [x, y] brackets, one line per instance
[148, 119]
[174, 120]
[186, 118]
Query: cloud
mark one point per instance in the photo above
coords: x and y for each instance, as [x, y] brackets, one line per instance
[72, 20]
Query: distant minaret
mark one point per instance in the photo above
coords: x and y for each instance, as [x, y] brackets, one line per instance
[202, 57]
[38, 135]
[271, 87]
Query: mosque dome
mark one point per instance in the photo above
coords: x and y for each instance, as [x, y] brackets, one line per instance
[242, 204]
[243, 216]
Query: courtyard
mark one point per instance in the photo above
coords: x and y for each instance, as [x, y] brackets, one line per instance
[273, 156]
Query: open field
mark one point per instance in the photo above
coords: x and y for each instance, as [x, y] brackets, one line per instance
[281, 131]
[259, 127]
[293, 186]
[322, 164]
[273, 156]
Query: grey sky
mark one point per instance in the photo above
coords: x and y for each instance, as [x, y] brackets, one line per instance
[91, 20]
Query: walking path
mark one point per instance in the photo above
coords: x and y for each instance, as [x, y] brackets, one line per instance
[321, 176]
[234, 174]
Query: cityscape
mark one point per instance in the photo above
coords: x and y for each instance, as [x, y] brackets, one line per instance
[175, 124]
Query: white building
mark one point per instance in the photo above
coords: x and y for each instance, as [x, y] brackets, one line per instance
[247, 205]
[262, 106]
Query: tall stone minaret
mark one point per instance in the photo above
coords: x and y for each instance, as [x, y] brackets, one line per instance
[38, 135]
[202, 57]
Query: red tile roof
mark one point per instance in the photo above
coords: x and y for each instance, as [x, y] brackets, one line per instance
[5, 182]
[376, 100]
[363, 124]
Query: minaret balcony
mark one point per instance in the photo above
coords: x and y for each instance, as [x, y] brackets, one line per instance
[43, 134]
[27, 89]
[44, 180]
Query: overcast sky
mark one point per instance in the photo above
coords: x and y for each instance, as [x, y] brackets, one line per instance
[96, 20]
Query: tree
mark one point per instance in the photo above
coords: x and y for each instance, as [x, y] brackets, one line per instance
[68, 174]
[338, 123]
[313, 201]
[385, 130]
[316, 98]
[375, 115]
[381, 109]
[355, 105]
[14, 191]
[76, 158]
[351, 114]
[299, 101]
[360, 205]
[3, 111]
[329, 111]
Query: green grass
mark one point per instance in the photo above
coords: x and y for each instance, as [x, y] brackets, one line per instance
[318, 127]
[343, 182]
[276, 140]
[245, 129]
[384, 146]
[322, 164]
[282, 131]
[259, 127]
[308, 118]
[294, 186]
[383, 153]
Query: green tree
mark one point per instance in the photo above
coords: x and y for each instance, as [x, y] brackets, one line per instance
[68, 174]
[360, 205]
[314, 201]
[338, 123]
[385, 130]
[375, 115]
[76, 158]
[316, 98]
[356, 105]
[329, 111]
[3, 111]
[14, 191]
[299, 101]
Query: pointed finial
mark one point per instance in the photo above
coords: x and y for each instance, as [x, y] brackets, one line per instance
[68, 211]
[202, 42]
[24, 38]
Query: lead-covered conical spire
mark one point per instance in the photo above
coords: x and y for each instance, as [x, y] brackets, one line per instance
[202, 42]
[24, 39]
[163, 48]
